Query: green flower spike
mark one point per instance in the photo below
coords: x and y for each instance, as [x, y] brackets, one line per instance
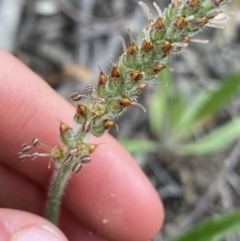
[136, 69]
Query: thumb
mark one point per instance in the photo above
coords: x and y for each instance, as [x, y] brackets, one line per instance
[17, 225]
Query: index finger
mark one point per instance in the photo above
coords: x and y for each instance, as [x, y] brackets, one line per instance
[111, 195]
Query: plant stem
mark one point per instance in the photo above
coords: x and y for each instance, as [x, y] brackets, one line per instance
[55, 192]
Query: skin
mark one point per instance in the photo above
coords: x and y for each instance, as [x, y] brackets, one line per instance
[110, 199]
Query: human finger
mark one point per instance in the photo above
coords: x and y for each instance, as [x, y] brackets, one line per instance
[110, 195]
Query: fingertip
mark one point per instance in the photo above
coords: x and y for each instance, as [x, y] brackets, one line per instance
[119, 201]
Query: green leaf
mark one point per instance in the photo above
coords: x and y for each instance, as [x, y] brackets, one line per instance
[221, 96]
[207, 103]
[176, 106]
[158, 104]
[188, 116]
[213, 229]
[139, 146]
[217, 139]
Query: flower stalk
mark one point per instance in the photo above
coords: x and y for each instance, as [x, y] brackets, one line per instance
[136, 69]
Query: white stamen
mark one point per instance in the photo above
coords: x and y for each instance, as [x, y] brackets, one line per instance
[169, 68]
[159, 11]
[112, 61]
[123, 44]
[130, 35]
[221, 17]
[183, 52]
[191, 17]
[139, 105]
[179, 44]
[214, 25]
[145, 7]
[202, 41]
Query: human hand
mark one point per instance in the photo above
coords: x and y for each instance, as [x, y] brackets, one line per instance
[111, 198]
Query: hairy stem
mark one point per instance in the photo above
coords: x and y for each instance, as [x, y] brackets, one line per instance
[56, 191]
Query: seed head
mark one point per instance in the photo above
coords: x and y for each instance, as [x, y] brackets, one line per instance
[136, 75]
[133, 48]
[108, 124]
[91, 147]
[102, 78]
[86, 126]
[76, 168]
[81, 110]
[75, 96]
[63, 127]
[85, 159]
[68, 159]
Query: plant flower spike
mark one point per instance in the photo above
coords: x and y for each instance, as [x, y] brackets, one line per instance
[136, 69]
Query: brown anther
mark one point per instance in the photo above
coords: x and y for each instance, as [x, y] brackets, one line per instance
[142, 86]
[81, 109]
[136, 75]
[147, 46]
[175, 3]
[115, 72]
[108, 124]
[160, 23]
[64, 127]
[186, 39]
[102, 78]
[26, 148]
[85, 159]
[193, 3]
[35, 142]
[180, 23]
[217, 2]
[91, 148]
[125, 102]
[76, 168]
[68, 159]
[133, 48]
[166, 46]
[86, 126]
[158, 68]
[34, 155]
[75, 96]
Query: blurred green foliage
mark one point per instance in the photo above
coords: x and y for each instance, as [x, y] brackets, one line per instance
[213, 229]
[173, 120]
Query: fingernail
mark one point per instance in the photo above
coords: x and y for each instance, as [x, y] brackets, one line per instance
[38, 233]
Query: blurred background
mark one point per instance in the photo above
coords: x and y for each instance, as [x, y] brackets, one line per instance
[188, 143]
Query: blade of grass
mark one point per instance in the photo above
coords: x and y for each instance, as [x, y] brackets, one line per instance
[158, 105]
[139, 146]
[222, 95]
[213, 229]
[217, 139]
[207, 103]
